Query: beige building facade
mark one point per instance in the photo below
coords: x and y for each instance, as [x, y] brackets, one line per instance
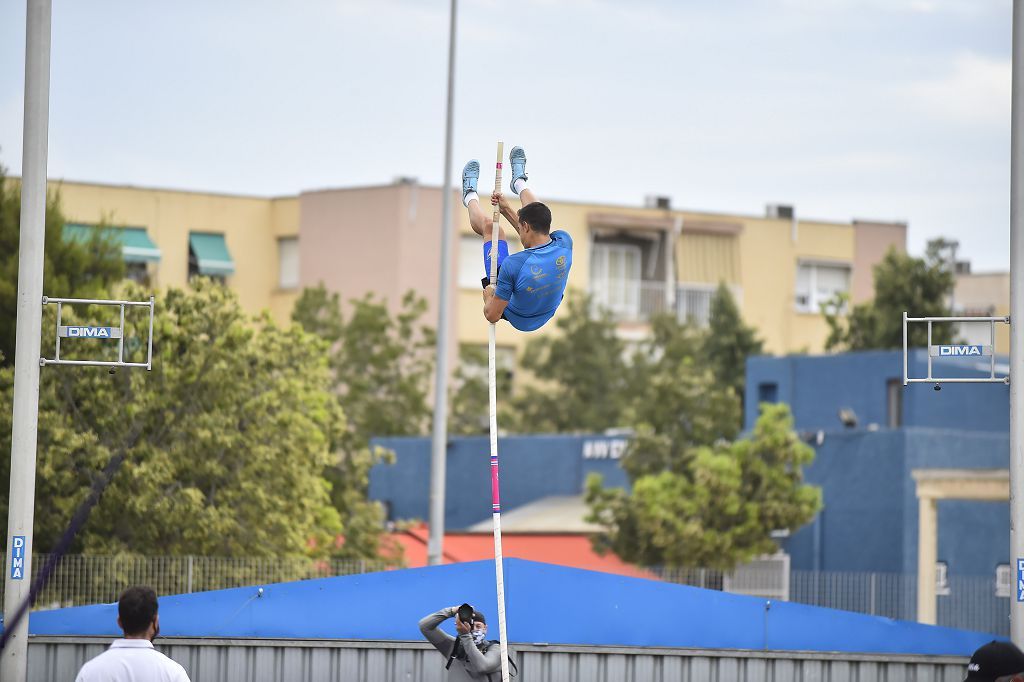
[634, 261]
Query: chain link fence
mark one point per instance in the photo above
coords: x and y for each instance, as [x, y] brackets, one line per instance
[970, 603]
[964, 602]
[81, 579]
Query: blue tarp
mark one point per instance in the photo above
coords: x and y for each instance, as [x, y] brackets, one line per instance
[545, 603]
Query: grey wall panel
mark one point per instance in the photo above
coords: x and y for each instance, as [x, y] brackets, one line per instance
[52, 659]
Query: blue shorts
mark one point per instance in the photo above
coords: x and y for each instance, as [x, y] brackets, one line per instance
[502, 255]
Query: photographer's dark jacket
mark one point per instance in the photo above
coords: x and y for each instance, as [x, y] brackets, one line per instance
[470, 663]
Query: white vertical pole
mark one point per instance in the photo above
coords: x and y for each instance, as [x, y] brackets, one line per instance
[13, 660]
[1017, 322]
[439, 447]
[493, 401]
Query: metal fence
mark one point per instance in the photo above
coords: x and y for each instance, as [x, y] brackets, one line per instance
[81, 579]
[965, 602]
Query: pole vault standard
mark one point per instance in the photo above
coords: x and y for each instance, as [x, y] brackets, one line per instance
[21, 503]
[493, 400]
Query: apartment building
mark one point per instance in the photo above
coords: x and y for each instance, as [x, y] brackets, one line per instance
[634, 261]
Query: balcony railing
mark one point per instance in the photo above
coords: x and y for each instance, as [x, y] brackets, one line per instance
[639, 300]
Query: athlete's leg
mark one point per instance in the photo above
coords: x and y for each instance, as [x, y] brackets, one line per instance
[481, 221]
[527, 196]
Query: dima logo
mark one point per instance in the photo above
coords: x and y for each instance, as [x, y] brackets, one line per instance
[91, 332]
[959, 350]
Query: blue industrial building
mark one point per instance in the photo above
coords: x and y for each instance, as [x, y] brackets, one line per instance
[870, 515]
[869, 520]
[532, 468]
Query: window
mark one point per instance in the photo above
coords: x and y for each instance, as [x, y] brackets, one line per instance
[894, 403]
[693, 303]
[208, 255]
[615, 278]
[1004, 580]
[941, 579]
[768, 393]
[288, 263]
[137, 272]
[471, 261]
[818, 283]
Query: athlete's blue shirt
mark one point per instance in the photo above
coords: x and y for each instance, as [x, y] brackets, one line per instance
[533, 282]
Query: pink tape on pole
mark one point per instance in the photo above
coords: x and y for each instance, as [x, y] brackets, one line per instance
[495, 496]
[498, 164]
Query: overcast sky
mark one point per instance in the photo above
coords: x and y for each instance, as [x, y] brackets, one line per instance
[876, 109]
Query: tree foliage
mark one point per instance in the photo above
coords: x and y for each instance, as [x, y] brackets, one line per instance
[72, 269]
[469, 412]
[381, 366]
[729, 342]
[225, 440]
[716, 506]
[580, 375]
[675, 401]
[919, 286]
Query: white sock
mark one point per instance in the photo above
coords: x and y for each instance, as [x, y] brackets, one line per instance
[519, 185]
[472, 196]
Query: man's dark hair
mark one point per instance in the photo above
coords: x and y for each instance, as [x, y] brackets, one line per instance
[137, 609]
[537, 215]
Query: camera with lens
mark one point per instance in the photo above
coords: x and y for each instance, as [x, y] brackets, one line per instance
[466, 614]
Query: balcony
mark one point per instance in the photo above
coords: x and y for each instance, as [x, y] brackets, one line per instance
[631, 301]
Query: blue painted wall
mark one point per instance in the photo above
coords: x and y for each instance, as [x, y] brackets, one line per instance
[532, 467]
[816, 387]
[869, 520]
[545, 604]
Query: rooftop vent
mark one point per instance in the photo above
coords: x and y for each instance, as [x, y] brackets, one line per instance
[780, 211]
[654, 201]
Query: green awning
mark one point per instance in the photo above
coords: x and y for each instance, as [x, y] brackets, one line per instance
[211, 253]
[136, 246]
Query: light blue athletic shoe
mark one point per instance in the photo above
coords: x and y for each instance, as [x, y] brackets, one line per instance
[470, 174]
[517, 159]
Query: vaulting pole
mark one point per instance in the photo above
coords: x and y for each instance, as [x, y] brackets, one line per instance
[493, 400]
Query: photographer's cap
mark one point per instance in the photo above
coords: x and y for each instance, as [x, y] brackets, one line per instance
[479, 617]
[993, 660]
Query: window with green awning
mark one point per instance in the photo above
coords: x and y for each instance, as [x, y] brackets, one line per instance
[136, 246]
[209, 255]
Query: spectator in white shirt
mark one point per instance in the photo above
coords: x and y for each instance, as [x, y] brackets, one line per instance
[133, 659]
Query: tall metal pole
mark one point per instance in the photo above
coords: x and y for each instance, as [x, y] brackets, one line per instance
[1017, 324]
[18, 574]
[439, 448]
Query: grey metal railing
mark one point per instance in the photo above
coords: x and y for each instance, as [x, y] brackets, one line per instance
[968, 602]
[87, 579]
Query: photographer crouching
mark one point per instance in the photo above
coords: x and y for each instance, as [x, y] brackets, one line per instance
[470, 656]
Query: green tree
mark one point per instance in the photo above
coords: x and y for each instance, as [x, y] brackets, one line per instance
[581, 375]
[225, 440]
[716, 511]
[675, 403]
[381, 370]
[469, 413]
[72, 269]
[919, 286]
[729, 342]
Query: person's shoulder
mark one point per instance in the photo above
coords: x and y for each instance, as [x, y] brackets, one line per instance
[176, 669]
[562, 238]
[514, 262]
